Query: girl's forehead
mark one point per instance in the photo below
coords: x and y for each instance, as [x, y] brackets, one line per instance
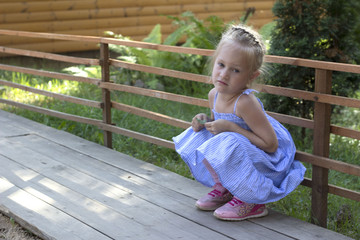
[232, 46]
[233, 53]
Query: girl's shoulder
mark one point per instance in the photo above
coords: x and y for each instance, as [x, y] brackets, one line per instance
[247, 102]
[212, 93]
[245, 99]
[211, 97]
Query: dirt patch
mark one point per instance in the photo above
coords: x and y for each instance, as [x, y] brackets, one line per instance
[10, 230]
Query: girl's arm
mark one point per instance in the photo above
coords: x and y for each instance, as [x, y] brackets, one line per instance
[211, 97]
[263, 135]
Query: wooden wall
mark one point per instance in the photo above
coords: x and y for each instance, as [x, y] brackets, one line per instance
[134, 18]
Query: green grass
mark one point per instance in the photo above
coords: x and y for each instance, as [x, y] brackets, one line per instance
[297, 204]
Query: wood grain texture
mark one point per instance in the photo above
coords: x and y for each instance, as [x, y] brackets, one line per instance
[134, 19]
[87, 191]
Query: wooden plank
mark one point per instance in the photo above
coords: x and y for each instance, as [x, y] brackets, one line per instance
[69, 37]
[49, 35]
[345, 132]
[151, 115]
[328, 163]
[81, 4]
[64, 46]
[297, 121]
[156, 94]
[342, 67]
[58, 96]
[10, 130]
[297, 229]
[156, 174]
[161, 177]
[42, 6]
[311, 96]
[343, 192]
[113, 210]
[58, 26]
[56, 75]
[159, 47]
[161, 71]
[62, 159]
[339, 191]
[91, 35]
[50, 56]
[118, 22]
[12, 1]
[352, 68]
[305, 157]
[136, 32]
[53, 113]
[137, 135]
[262, 8]
[56, 46]
[95, 122]
[36, 214]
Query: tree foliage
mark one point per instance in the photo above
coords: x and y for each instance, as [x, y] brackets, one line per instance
[326, 30]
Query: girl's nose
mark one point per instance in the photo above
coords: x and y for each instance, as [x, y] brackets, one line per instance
[224, 73]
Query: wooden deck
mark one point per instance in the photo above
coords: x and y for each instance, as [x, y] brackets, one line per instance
[63, 187]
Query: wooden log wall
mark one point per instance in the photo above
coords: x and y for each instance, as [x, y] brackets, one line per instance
[133, 18]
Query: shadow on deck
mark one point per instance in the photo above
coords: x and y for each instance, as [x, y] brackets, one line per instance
[63, 187]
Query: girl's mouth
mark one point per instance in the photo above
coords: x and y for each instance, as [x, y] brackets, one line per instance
[222, 83]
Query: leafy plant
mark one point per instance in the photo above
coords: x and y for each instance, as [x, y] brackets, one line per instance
[190, 32]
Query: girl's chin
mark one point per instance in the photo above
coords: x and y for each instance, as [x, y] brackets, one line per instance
[221, 88]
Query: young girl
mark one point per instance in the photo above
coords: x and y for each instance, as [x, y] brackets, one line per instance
[245, 155]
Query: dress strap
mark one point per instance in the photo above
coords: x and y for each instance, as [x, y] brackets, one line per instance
[247, 92]
[216, 94]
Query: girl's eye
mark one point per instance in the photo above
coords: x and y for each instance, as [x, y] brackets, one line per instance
[236, 70]
[221, 65]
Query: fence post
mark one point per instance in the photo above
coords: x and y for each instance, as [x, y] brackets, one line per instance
[106, 102]
[321, 138]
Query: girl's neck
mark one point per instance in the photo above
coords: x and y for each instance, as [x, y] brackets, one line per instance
[225, 102]
[228, 97]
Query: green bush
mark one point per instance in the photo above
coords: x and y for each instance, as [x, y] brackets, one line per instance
[320, 30]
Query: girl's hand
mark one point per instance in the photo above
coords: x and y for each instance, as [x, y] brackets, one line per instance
[218, 126]
[198, 121]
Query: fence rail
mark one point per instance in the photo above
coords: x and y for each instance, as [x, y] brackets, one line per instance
[320, 125]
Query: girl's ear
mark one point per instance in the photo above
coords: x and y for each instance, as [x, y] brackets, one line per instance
[254, 75]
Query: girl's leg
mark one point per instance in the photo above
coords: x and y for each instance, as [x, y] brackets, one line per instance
[217, 197]
[211, 171]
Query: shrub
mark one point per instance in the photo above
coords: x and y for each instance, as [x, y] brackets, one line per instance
[320, 30]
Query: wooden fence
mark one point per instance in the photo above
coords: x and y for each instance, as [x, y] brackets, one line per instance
[320, 125]
[133, 18]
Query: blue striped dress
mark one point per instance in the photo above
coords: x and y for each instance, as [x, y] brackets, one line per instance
[249, 173]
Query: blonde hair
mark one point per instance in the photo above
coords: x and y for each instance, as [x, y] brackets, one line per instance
[250, 42]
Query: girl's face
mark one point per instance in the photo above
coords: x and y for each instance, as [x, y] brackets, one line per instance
[231, 73]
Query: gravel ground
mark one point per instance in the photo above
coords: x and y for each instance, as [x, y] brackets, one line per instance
[10, 230]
